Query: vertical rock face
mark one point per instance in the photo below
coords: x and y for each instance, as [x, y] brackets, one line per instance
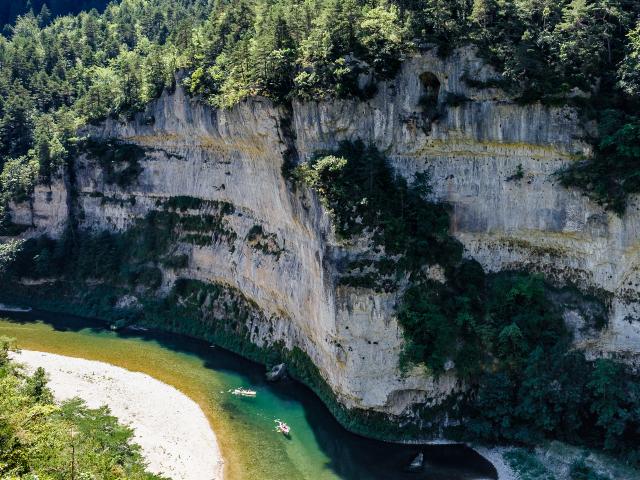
[474, 145]
[236, 156]
[472, 141]
[47, 212]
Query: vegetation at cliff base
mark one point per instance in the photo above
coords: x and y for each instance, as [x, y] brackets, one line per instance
[129, 259]
[40, 438]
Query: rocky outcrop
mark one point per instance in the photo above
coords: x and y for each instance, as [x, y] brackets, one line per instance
[471, 140]
[47, 212]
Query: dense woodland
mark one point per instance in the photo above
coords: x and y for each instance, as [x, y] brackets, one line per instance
[43, 439]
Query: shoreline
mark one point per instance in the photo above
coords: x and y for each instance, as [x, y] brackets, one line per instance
[176, 438]
[490, 456]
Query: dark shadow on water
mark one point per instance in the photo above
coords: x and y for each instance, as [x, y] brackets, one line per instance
[352, 457]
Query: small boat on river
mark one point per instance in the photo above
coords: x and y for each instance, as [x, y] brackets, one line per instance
[243, 392]
[282, 428]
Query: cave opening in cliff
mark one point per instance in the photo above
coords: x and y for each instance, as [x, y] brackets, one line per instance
[429, 98]
[431, 89]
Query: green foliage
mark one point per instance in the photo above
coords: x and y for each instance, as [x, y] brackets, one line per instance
[6, 345]
[440, 321]
[235, 49]
[549, 48]
[36, 386]
[51, 144]
[613, 173]
[58, 74]
[18, 178]
[41, 439]
[517, 175]
[382, 36]
[630, 67]
[16, 124]
[8, 254]
[184, 203]
[615, 403]
[474, 322]
[264, 242]
[7, 227]
[120, 162]
[365, 197]
[550, 391]
[131, 258]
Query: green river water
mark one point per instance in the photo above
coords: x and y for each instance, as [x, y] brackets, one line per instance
[318, 449]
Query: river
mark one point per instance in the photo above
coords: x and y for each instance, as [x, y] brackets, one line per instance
[318, 449]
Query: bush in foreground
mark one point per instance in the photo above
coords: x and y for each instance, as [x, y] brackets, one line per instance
[42, 439]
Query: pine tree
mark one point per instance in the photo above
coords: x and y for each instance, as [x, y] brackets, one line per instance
[482, 13]
[44, 17]
[16, 124]
[629, 72]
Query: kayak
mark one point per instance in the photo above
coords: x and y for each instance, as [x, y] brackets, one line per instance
[244, 392]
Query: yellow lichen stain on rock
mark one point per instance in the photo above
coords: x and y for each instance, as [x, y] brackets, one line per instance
[468, 147]
[252, 146]
[540, 243]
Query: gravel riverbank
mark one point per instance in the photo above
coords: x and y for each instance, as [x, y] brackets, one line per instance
[176, 438]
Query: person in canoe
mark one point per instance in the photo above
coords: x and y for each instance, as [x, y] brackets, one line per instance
[282, 428]
[243, 392]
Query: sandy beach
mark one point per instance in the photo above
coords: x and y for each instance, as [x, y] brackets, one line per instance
[176, 438]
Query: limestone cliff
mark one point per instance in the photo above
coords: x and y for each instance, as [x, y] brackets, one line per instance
[428, 118]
